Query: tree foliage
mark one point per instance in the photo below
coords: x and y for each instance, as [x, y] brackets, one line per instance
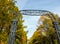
[45, 33]
[7, 7]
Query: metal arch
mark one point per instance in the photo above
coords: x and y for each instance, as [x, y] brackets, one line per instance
[34, 12]
[31, 13]
[37, 13]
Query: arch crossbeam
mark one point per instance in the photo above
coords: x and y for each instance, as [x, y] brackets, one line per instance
[34, 12]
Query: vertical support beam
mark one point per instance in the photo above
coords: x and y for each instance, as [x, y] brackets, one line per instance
[55, 24]
[12, 33]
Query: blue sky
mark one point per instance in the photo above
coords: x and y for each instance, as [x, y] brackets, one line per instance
[30, 21]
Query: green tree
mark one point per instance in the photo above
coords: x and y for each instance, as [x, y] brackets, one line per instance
[7, 7]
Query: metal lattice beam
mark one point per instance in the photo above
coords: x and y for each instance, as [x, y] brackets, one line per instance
[34, 12]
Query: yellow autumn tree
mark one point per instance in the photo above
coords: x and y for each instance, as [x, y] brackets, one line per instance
[45, 33]
[7, 7]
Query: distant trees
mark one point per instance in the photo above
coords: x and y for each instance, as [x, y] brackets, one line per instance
[45, 33]
[6, 16]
